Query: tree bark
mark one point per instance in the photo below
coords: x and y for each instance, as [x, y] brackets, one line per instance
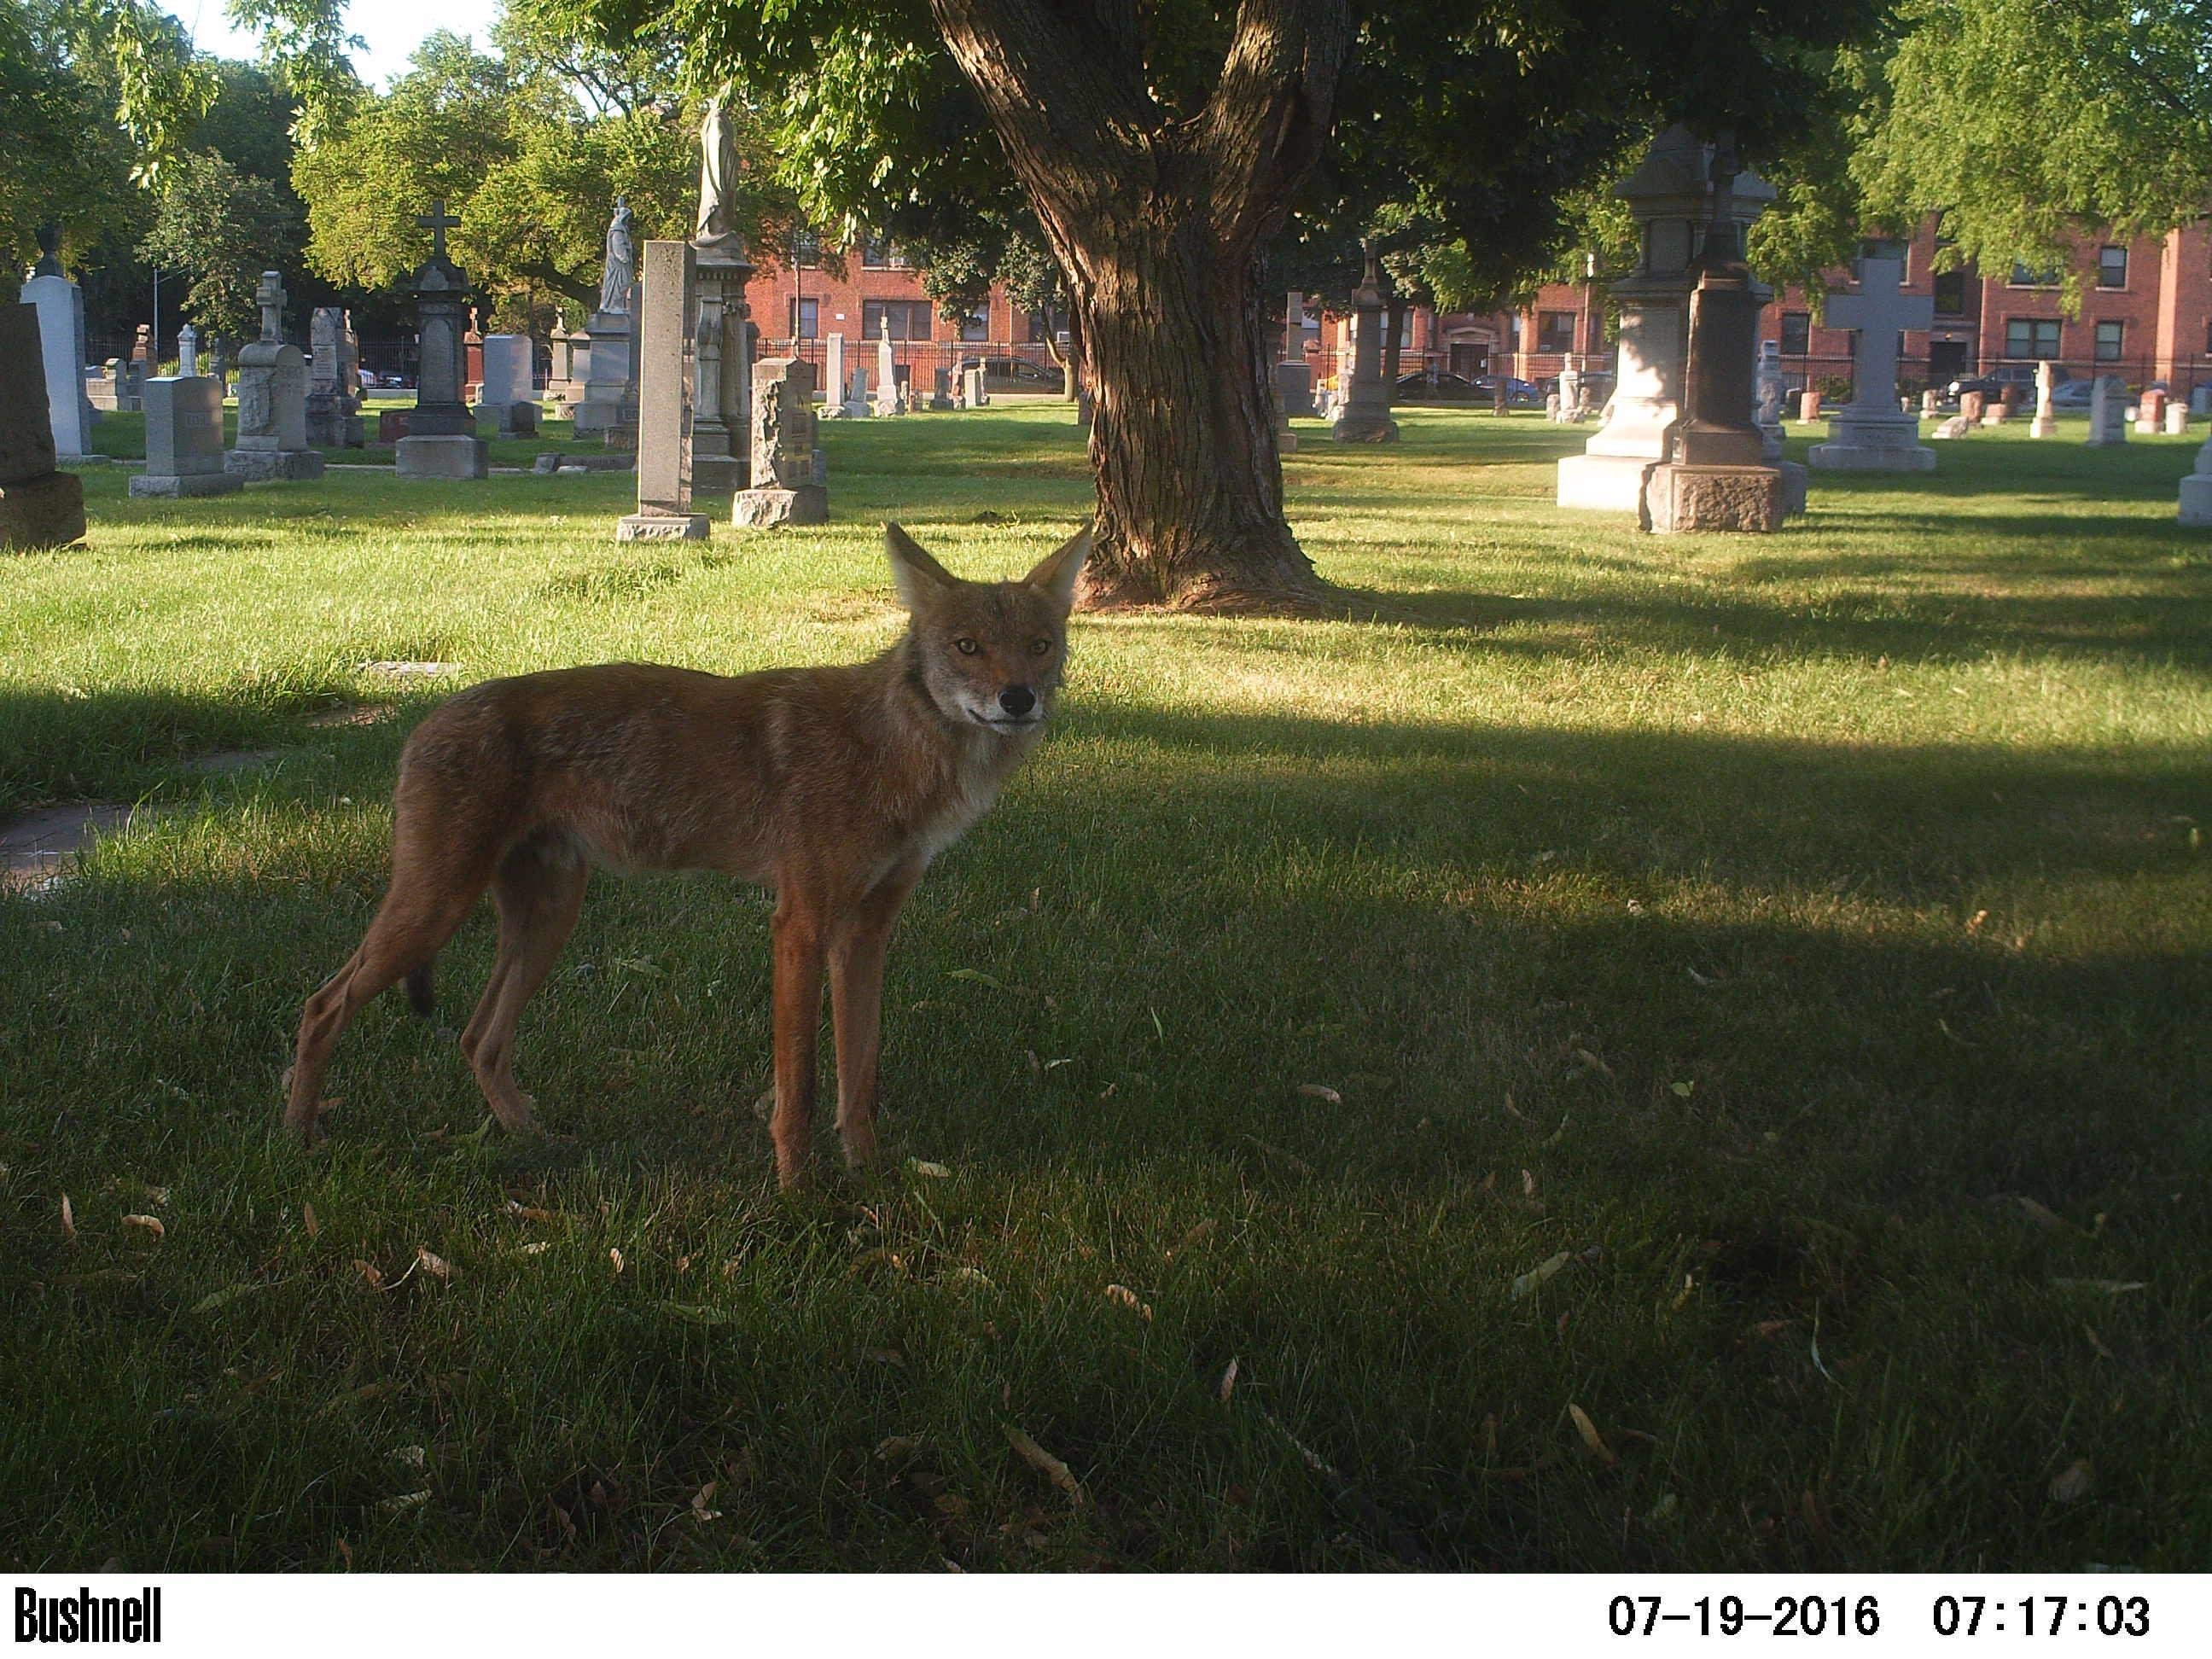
[1156, 221]
[1394, 325]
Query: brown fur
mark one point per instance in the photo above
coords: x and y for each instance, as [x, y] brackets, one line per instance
[835, 786]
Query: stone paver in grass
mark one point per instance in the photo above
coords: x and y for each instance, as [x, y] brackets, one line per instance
[39, 848]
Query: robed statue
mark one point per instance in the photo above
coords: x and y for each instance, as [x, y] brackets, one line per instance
[718, 174]
[622, 262]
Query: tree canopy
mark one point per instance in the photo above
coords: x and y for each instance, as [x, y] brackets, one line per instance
[2024, 123]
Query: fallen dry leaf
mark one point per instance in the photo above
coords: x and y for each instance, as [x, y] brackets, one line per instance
[151, 1224]
[307, 1219]
[1198, 1235]
[895, 1445]
[1537, 1274]
[69, 1219]
[701, 1499]
[2074, 1482]
[1229, 1381]
[1123, 1296]
[934, 1171]
[2096, 1341]
[1528, 1184]
[1321, 1092]
[371, 1274]
[404, 1502]
[435, 1265]
[538, 1248]
[615, 1256]
[2050, 1221]
[1591, 1437]
[1045, 1464]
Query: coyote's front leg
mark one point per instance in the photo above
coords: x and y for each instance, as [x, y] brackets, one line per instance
[857, 949]
[797, 930]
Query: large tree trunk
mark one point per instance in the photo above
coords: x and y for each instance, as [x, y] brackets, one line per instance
[1394, 329]
[1156, 220]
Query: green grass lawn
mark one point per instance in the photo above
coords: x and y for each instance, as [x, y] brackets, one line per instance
[1757, 984]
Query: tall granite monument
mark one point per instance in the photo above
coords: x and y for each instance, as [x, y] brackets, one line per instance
[441, 440]
[664, 402]
[722, 339]
[1366, 415]
[611, 386]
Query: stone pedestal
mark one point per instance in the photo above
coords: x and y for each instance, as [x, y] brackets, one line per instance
[40, 506]
[663, 400]
[972, 392]
[1366, 416]
[333, 382]
[440, 455]
[1712, 497]
[787, 478]
[184, 439]
[272, 400]
[721, 367]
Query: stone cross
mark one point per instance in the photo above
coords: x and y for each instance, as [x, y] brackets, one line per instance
[269, 296]
[437, 222]
[188, 351]
[1879, 311]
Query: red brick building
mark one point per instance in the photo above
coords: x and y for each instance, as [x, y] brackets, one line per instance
[796, 308]
[2146, 315]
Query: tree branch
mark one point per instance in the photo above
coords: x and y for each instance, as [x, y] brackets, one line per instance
[1269, 115]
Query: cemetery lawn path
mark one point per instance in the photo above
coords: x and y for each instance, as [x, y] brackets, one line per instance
[1612, 1054]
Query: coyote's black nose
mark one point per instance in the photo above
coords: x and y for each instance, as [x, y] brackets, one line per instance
[1018, 700]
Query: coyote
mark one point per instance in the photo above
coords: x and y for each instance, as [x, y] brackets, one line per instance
[835, 785]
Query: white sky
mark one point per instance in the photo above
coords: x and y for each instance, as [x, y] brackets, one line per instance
[393, 28]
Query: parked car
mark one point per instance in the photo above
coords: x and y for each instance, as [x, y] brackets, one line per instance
[1443, 386]
[1015, 372]
[1526, 392]
[2073, 394]
[1993, 383]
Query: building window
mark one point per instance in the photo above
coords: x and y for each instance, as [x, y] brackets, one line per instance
[1039, 326]
[2023, 277]
[909, 319]
[1555, 330]
[805, 319]
[805, 248]
[2031, 336]
[881, 253]
[2111, 340]
[1950, 293]
[1796, 333]
[977, 324]
[2111, 267]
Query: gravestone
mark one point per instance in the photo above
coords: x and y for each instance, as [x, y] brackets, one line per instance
[2045, 424]
[571, 362]
[1871, 434]
[1366, 416]
[1931, 404]
[972, 393]
[1808, 407]
[1997, 413]
[184, 438]
[392, 424]
[2108, 411]
[1669, 196]
[60, 307]
[856, 393]
[40, 506]
[441, 440]
[610, 402]
[833, 378]
[188, 352]
[2200, 398]
[1294, 386]
[2150, 412]
[1569, 409]
[508, 396]
[2196, 489]
[1715, 475]
[940, 393]
[333, 382]
[664, 401]
[887, 394]
[1972, 405]
[2177, 419]
[141, 351]
[1959, 426]
[273, 399]
[786, 485]
[1768, 405]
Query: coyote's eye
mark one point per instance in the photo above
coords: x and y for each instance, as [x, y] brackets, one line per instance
[1038, 647]
[964, 646]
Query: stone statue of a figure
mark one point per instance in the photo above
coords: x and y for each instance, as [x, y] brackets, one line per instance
[718, 174]
[622, 262]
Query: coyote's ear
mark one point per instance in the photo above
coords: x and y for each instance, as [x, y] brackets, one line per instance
[1056, 576]
[918, 575]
